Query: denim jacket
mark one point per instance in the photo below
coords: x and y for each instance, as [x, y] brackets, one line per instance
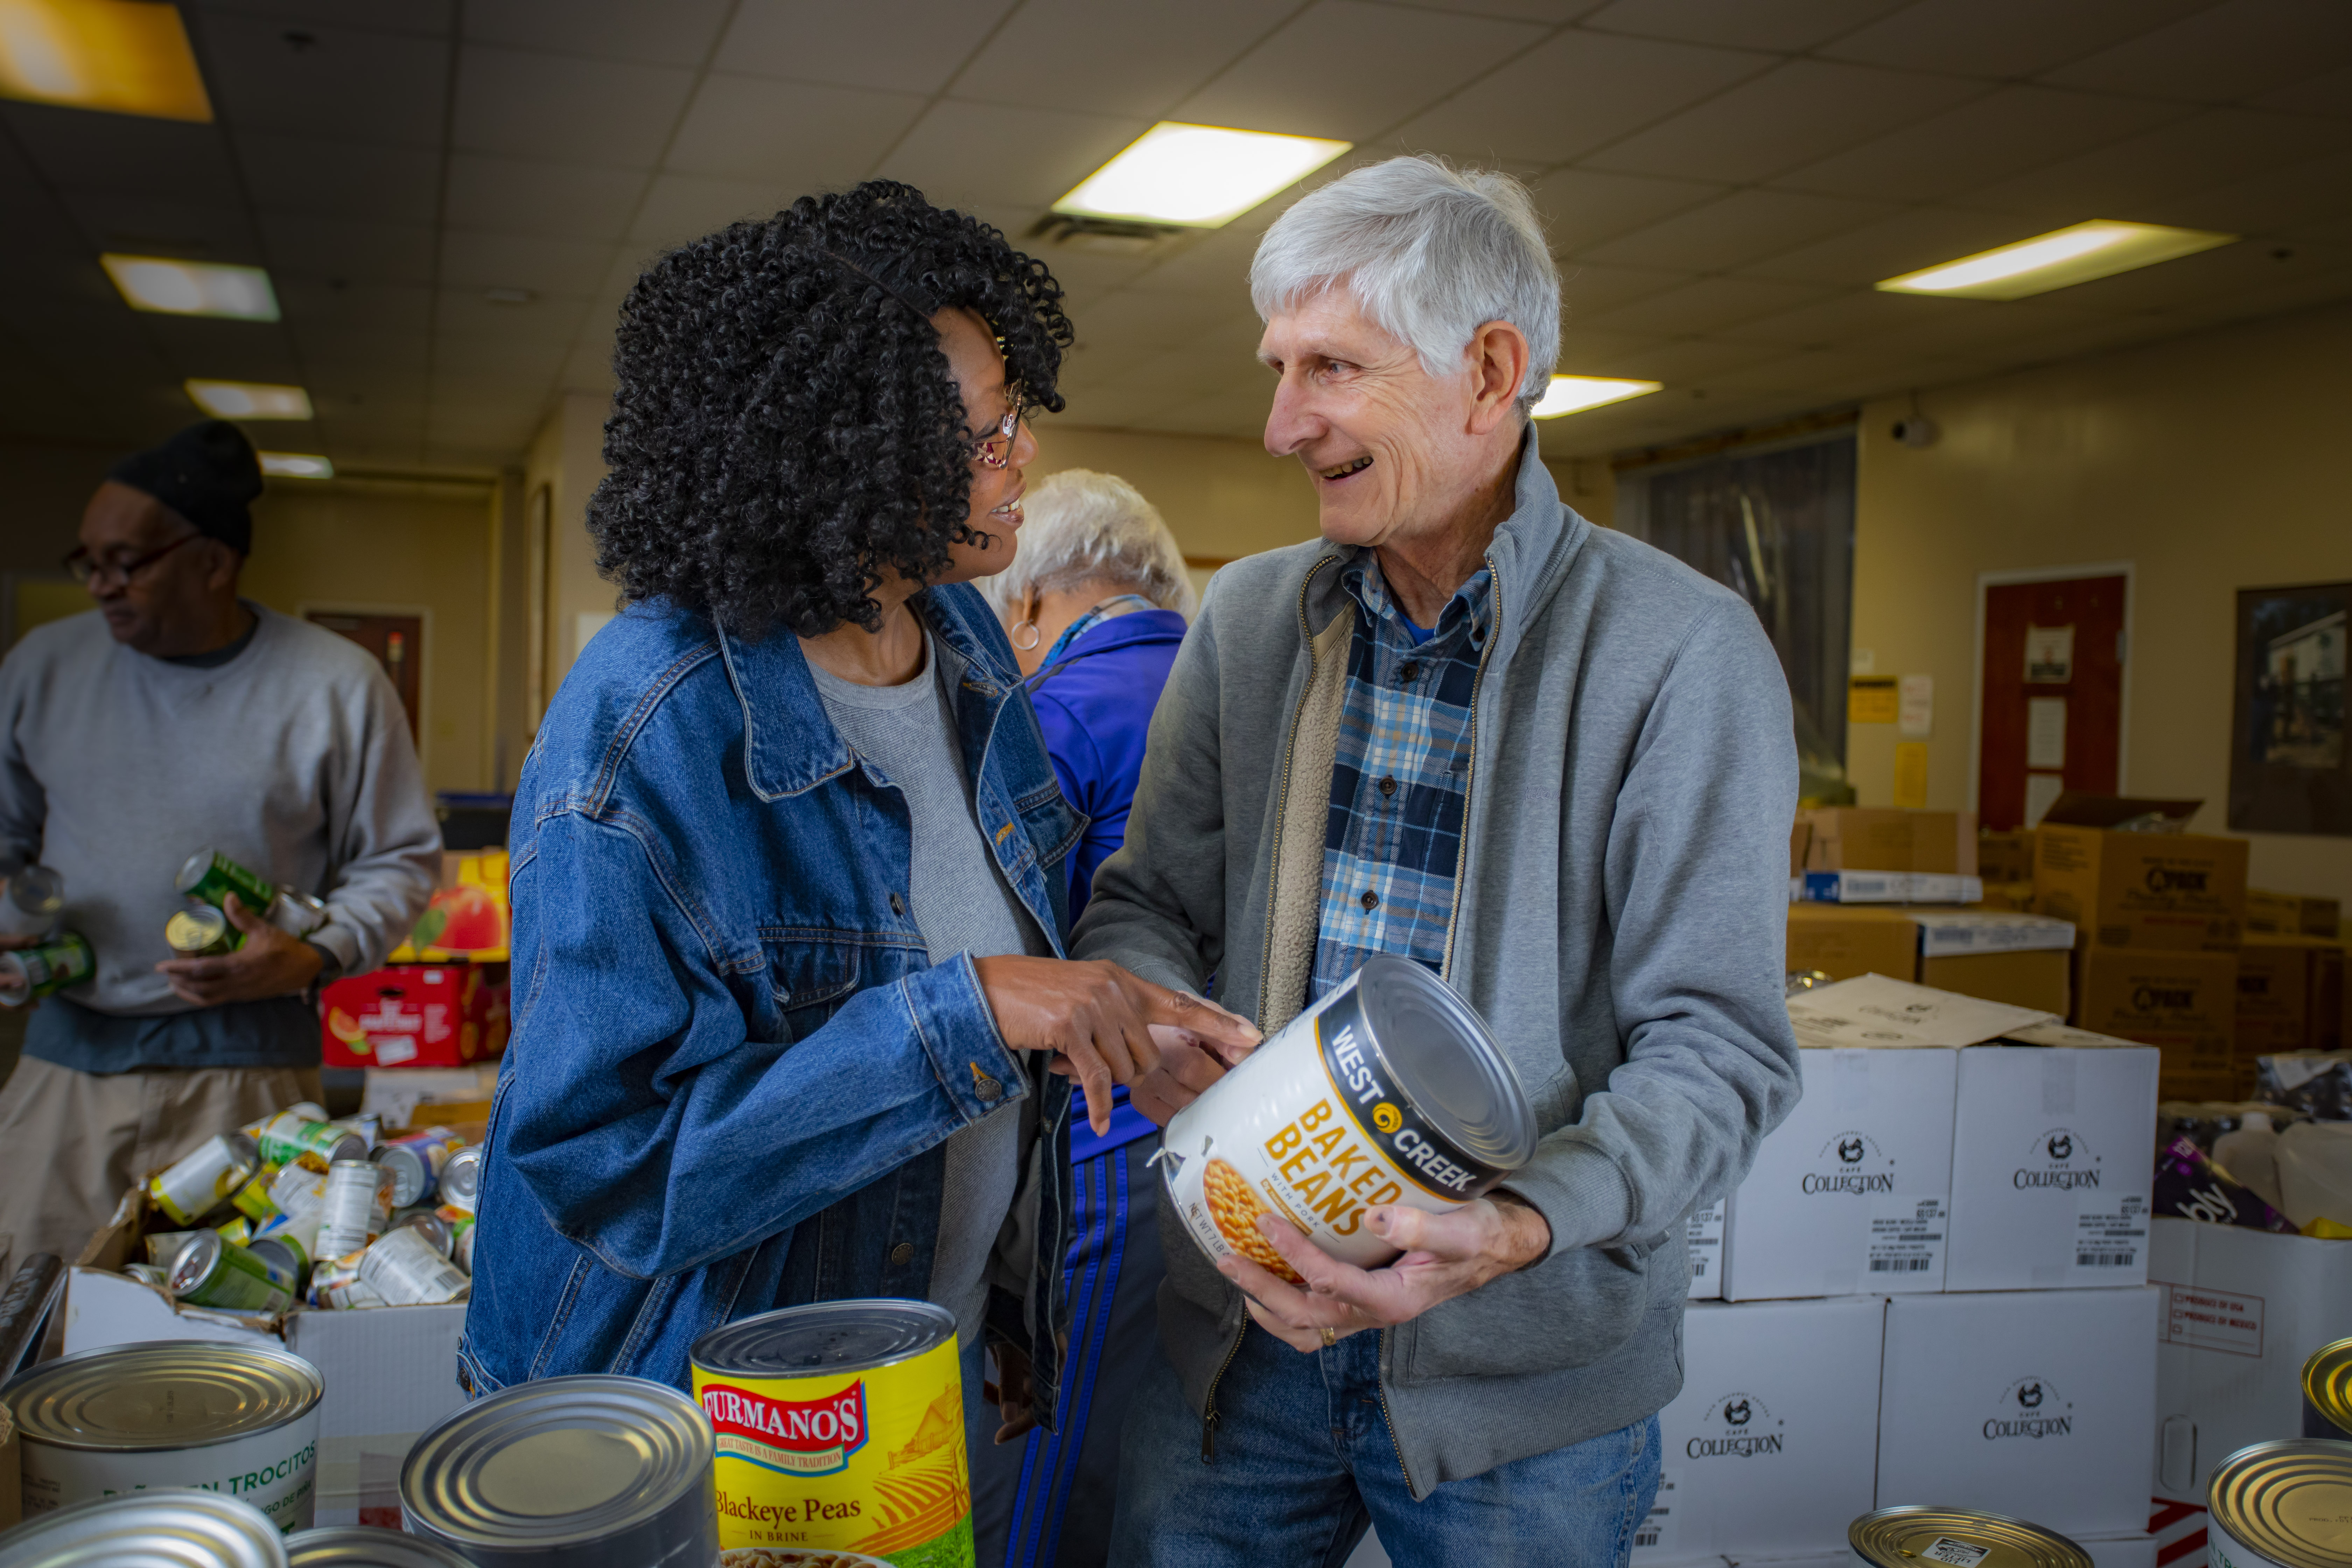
[732, 1066]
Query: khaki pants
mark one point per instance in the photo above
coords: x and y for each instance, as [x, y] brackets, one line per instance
[72, 1142]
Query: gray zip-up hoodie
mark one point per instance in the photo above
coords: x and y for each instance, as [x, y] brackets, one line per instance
[1618, 919]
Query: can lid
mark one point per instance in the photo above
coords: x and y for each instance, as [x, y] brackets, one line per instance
[365, 1546]
[169, 1527]
[2327, 1383]
[193, 928]
[824, 1339]
[162, 1394]
[461, 1178]
[590, 1470]
[1442, 1057]
[194, 1263]
[1921, 1537]
[2289, 1501]
[193, 869]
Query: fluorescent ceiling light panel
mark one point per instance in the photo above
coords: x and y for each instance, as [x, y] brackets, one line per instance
[2063, 257]
[296, 465]
[1197, 177]
[249, 400]
[1575, 393]
[124, 56]
[192, 288]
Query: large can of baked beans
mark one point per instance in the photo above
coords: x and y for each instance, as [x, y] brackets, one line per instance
[2280, 1505]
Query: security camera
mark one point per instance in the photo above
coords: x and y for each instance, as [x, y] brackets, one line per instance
[1915, 430]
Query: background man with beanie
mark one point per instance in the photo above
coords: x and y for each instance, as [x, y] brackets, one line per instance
[175, 717]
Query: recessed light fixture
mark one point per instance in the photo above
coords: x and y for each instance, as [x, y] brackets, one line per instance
[1196, 176]
[1575, 393]
[249, 400]
[192, 288]
[2063, 257]
[296, 465]
[125, 57]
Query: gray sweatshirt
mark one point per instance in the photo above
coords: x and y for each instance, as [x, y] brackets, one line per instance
[1619, 921]
[293, 759]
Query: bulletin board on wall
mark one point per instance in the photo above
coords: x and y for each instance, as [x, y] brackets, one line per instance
[2290, 770]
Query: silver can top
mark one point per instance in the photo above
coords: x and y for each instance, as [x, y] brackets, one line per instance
[461, 1178]
[194, 1262]
[588, 1471]
[2287, 1500]
[2327, 1384]
[365, 1546]
[169, 1527]
[824, 1339]
[163, 1394]
[1923, 1537]
[1440, 1054]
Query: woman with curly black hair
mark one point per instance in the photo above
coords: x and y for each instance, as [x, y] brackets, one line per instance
[791, 1023]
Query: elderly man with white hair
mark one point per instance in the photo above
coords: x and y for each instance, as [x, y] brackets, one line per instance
[1467, 728]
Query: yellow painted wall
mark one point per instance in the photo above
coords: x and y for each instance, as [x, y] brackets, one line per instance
[567, 458]
[2212, 463]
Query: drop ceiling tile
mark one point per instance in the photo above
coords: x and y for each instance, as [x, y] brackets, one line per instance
[1890, 247]
[675, 33]
[680, 207]
[1230, 414]
[572, 268]
[1684, 361]
[1578, 91]
[2223, 54]
[1581, 207]
[1583, 352]
[1585, 290]
[1131, 321]
[1845, 319]
[1795, 114]
[1705, 305]
[313, 304]
[1218, 263]
[2329, 93]
[2184, 284]
[2012, 130]
[1736, 230]
[230, 350]
[2287, 198]
[550, 105]
[1982, 328]
[340, 179]
[359, 359]
[1112, 60]
[1786, 27]
[472, 326]
[155, 227]
[2002, 37]
[297, 244]
[553, 200]
[427, 18]
[977, 154]
[1552, 12]
[588, 368]
[1350, 70]
[904, 46]
[790, 134]
[122, 154]
[2206, 149]
[347, 84]
[2289, 294]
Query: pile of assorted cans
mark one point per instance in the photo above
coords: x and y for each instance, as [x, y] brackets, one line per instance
[296, 1208]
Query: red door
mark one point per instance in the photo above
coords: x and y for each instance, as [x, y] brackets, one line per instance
[398, 644]
[2054, 689]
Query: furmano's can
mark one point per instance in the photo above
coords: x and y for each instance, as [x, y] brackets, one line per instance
[203, 1179]
[211, 1272]
[290, 1138]
[210, 877]
[241, 1421]
[29, 973]
[589, 1471]
[2280, 1505]
[365, 1546]
[356, 1211]
[840, 1428]
[403, 1268]
[181, 1529]
[201, 931]
[461, 1179]
[31, 901]
[252, 1200]
[1388, 1091]
[2327, 1392]
[416, 1162]
[1923, 1537]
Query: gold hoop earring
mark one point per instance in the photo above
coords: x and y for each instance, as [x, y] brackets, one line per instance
[1036, 635]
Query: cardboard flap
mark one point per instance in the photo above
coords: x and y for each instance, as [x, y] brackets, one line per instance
[2080, 808]
[1884, 1013]
[2073, 1038]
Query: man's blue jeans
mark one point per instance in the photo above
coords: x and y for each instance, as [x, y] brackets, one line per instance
[1305, 1463]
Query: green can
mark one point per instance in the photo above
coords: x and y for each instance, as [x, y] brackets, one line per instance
[212, 1272]
[252, 1200]
[287, 1137]
[29, 973]
[201, 931]
[211, 877]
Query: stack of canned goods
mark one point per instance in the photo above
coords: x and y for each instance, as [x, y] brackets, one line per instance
[33, 903]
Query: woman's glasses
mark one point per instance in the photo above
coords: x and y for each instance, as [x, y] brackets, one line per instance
[995, 451]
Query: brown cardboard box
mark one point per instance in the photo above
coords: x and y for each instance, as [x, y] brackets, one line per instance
[1877, 838]
[2293, 914]
[2036, 980]
[2290, 996]
[1801, 838]
[2202, 1086]
[2184, 1003]
[1848, 939]
[2165, 890]
[2015, 897]
[2005, 857]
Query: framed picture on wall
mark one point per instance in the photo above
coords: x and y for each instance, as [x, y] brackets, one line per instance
[2290, 769]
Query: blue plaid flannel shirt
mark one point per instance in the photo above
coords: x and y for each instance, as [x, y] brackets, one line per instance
[1394, 835]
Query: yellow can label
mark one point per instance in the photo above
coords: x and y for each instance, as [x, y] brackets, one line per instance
[868, 1462]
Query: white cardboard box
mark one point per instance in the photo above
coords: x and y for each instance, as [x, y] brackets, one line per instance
[1955, 933]
[2241, 1311]
[1703, 1233]
[1852, 1192]
[2040, 1404]
[2050, 1170]
[1771, 1449]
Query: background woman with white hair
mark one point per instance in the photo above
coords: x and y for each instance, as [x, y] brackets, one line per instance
[1094, 602]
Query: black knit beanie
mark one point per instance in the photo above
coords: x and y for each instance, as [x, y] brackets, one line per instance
[207, 473]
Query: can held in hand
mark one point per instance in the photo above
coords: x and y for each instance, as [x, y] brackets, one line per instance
[1388, 1091]
[356, 1209]
[840, 1427]
[32, 901]
[403, 1268]
[2327, 1392]
[182, 1528]
[289, 1139]
[29, 973]
[211, 1272]
[201, 931]
[1923, 1537]
[203, 1179]
[239, 1421]
[590, 1471]
[366, 1546]
[2280, 1505]
[416, 1162]
[461, 1179]
[210, 877]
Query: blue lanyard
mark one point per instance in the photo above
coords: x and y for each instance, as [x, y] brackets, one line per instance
[1121, 605]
